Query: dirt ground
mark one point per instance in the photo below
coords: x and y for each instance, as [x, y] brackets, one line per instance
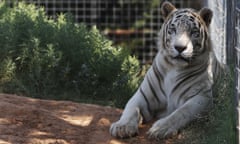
[32, 121]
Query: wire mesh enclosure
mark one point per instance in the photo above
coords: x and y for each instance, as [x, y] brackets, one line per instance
[130, 23]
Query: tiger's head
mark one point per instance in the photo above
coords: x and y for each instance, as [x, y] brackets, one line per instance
[184, 35]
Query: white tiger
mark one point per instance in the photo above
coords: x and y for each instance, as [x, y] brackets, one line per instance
[177, 88]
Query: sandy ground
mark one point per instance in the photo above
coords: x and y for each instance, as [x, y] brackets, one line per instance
[33, 121]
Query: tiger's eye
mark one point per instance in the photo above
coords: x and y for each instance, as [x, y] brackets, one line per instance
[171, 29]
[195, 33]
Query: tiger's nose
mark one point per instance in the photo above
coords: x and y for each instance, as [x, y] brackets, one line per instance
[180, 49]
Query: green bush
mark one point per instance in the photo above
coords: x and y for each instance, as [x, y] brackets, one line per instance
[59, 59]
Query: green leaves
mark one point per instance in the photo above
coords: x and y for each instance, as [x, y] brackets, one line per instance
[59, 59]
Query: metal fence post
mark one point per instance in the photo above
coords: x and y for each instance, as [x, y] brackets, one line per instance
[236, 43]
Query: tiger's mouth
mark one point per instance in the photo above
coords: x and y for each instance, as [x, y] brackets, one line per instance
[181, 58]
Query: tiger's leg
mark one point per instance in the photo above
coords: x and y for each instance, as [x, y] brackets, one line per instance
[180, 117]
[127, 126]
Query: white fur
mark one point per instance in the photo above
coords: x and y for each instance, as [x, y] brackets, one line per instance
[173, 90]
[173, 113]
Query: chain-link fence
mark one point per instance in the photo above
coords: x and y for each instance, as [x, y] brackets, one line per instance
[129, 23]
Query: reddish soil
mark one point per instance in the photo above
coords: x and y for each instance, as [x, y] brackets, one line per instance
[33, 121]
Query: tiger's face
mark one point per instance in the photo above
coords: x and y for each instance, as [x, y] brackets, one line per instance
[185, 34]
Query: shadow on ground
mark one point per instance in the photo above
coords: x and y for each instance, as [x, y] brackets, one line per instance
[33, 121]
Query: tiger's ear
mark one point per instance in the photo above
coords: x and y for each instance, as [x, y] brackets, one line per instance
[166, 9]
[206, 15]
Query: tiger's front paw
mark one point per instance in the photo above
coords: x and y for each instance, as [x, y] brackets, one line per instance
[124, 130]
[161, 129]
